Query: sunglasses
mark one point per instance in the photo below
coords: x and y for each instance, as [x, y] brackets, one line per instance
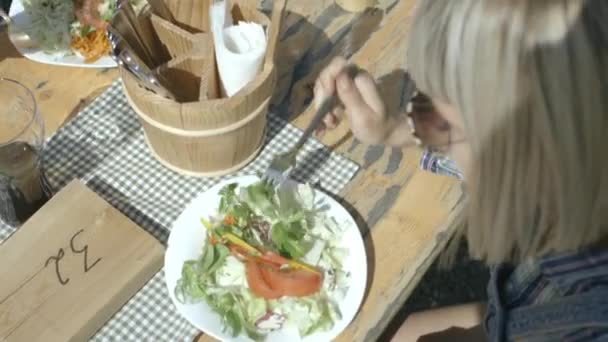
[428, 127]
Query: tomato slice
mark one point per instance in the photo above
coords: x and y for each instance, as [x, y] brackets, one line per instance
[269, 281]
[258, 284]
[292, 282]
[274, 258]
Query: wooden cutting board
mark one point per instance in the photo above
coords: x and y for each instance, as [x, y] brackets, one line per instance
[70, 267]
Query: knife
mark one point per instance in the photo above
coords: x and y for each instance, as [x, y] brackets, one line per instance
[124, 56]
[148, 79]
[121, 25]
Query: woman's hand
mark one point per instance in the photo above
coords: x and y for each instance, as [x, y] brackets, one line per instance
[362, 104]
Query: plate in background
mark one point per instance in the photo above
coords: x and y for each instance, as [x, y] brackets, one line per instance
[21, 19]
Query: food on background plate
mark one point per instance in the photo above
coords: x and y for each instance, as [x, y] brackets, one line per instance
[271, 258]
[91, 46]
[50, 22]
[64, 27]
[89, 37]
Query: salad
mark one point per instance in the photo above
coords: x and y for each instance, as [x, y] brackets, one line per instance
[63, 27]
[272, 258]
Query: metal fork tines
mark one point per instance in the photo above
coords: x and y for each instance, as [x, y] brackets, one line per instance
[282, 164]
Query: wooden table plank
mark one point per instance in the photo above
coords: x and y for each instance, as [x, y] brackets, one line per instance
[405, 213]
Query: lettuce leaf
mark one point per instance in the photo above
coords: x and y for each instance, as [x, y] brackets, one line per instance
[195, 274]
[228, 198]
[309, 314]
[260, 198]
[219, 280]
[289, 239]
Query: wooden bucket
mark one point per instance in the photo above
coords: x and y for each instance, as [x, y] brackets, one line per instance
[355, 5]
[204, 134]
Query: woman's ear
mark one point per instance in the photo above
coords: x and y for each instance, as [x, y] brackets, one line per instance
[449, 113]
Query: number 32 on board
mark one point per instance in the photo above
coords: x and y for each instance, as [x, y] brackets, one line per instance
[60, 254]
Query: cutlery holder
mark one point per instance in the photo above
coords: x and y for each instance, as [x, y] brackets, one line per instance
[202, 133]
[178, 40]
[193, 15]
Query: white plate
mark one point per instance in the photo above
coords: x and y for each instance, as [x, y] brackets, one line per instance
[21, 19]
[186, 241]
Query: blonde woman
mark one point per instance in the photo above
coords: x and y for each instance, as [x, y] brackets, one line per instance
[518, 95]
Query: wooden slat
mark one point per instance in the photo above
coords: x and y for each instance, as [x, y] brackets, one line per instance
[192, 14]
[79, 260]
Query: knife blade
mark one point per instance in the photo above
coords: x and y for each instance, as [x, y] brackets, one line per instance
[122, 26]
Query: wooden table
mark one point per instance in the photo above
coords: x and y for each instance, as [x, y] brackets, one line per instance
[405, 214]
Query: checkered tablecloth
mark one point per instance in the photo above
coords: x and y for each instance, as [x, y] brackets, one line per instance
[104, 146]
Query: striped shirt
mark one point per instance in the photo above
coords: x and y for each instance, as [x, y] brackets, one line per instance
[557, 298]
[563, 297]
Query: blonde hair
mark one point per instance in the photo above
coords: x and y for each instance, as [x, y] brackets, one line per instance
[530, 80]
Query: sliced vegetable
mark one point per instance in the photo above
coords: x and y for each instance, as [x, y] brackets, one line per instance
[266, 256]
[294, 283]
[258, 284]
[271, 282]
[280, 260]
[206, 224]
[270, 322]
[242, 244]
[274, 258]
[239, 252]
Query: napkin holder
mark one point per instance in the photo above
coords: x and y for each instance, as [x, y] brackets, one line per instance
[203, 133]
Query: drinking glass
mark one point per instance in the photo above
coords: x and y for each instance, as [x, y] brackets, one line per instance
[23, 185]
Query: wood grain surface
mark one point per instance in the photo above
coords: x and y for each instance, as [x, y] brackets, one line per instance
[405, 214]
[79, 261]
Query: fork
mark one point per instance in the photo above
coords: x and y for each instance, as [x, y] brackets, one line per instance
[282, 164]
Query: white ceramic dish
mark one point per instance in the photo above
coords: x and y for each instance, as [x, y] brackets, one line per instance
[186, 241]
[21, 19]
